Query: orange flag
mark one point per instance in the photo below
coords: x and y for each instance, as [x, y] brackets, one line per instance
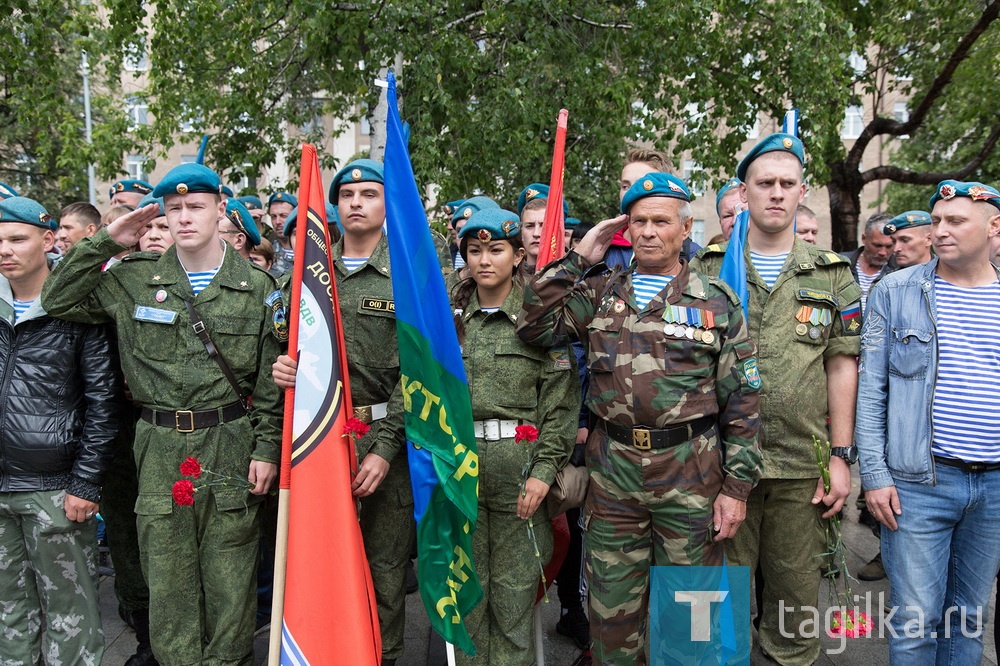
[553, 244]
[329, 614]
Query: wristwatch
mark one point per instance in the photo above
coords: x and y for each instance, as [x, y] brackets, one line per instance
[848, 453]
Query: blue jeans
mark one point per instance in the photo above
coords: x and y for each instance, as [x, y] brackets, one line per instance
[941, 563]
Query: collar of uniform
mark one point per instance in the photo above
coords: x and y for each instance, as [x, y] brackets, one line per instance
[804, 261]
[683, 283]
[235, 271]
[511, 305]
[167, 269]
[379, 259]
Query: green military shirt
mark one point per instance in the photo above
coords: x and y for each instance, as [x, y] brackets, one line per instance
[509, 379]
[368, 313]
[814, 284]
[640, 375]
[164, 362]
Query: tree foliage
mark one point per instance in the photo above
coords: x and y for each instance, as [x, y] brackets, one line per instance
[483, 81]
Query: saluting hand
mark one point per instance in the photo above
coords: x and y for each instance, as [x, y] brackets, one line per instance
[129, 228]
[594, 245]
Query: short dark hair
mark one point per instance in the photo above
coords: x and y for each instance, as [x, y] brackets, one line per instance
[580, 230]
[877, 221]
[83, 210]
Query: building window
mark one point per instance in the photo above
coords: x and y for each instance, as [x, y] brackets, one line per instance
[755, 130]
[135, 167]
[858, 63]
[854, 122]
[135, 58]
[137, 110]
[900, 112]
[691, 168]
[364, 121]
[693, 117]
[698, 232]
[188, 159]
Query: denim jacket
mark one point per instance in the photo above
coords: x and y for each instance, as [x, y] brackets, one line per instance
[897, 375]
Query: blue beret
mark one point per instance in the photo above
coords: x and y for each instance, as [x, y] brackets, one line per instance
[911, 218]
[571, 223]
[129, 185]
[26, 211]
[251, 202]
[492, 224]
[536, 191]
[6, 191]
[333, 217]
[786, 143]
[150, 199]
[949, 189]
[290, 222]
[226, 191]
[238, 214]
[281, 197]
[188, 179]
[358, 171]
[452, 206]
[471, 206]
[655, 184]
[730, 184]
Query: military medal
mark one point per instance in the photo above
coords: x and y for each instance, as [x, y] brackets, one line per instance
[708, 337]
[801, 329]
[161, 296]
[669, 329]
[689, 332]
[619, 306]
[699, 334]
[803, 315]
[814, 333]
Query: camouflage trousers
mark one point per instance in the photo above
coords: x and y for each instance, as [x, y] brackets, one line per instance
[48, 572]
[644, 508]
[783, 532]
[121, 488]
[388, 530]
[505, 560]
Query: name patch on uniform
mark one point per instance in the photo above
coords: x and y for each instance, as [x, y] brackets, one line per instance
[154, 315]
[822, 296]
[378, 304]
[752, 374]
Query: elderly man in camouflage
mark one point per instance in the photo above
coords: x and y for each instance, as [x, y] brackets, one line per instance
[805, 317]
[674, 453]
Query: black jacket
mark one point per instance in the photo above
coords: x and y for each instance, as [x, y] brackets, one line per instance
[60, 397]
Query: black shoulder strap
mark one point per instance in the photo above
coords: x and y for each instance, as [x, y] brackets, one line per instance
[199, 328]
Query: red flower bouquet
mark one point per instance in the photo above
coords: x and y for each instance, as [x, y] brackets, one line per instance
[525, 433]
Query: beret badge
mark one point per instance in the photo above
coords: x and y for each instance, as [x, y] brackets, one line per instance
[356, 174]
[509, 227]
[182, 188]
[467, 213]
[530, 194]
[890, 228]
[120, 187]
[674, 187]
[484, 235]
[647, 185]
[139, 187]
[787, 143]
[947, 192]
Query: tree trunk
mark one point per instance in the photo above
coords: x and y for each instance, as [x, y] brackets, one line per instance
[844, 190]
[378, 120]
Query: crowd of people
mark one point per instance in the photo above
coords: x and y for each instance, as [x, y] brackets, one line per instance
[155, 333]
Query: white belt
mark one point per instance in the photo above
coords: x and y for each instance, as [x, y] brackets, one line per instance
[493, 429]
[372, 413]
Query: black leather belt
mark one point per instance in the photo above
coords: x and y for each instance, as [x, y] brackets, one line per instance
[187, 420]
[969, 467]
[660, 438]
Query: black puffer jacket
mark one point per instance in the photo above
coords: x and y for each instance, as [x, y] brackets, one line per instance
[60, 396]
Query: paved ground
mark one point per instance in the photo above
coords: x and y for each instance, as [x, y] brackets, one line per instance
[424, 647]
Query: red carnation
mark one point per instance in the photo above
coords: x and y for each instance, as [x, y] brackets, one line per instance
[191, 467]
[184, 492]
[356, 428]
[525, 433]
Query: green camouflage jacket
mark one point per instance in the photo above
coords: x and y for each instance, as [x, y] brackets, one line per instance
[640, 375]
[816, 286]
[166, 365]
[511, 380]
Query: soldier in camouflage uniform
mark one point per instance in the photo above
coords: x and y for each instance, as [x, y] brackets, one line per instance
[200, 561]
[673, 383]
[279, 207]
[364, 287]
[806, 325]
[512, 384]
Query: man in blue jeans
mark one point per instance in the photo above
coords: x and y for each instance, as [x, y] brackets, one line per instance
[928, 431]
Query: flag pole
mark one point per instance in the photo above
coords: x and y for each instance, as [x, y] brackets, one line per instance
[285, 473]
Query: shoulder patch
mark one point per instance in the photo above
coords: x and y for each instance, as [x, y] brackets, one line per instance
[715, 248]
[724, 288]
[142, 256]
[827, 258]
[850, 317]
[279, 316]
[560, 358]
[752, 374]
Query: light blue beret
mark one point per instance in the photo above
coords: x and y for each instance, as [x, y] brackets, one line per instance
[6, 191]
[26, 211]
[655, 184]
[492, 224]
[130, 185]
[188, 179]
[949, 189]
[150, 199]
[536, 191]
[470, 207]
[358, 171]
[238, 214]
[911, 218]
[730, 184]
[776, 142]
[452, 206]
[226, 191]
[282, 197]
[251, 202]
[571, 223]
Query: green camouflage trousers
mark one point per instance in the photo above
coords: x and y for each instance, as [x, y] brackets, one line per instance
[48, 571]
[388, 530]
[644, 508]
[504, 557]
[783, 531]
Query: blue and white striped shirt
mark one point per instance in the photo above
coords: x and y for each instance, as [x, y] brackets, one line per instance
[645, 286]
[20, 307]
[966, 417]
[201, 279]
[769, 267]
[353, 263]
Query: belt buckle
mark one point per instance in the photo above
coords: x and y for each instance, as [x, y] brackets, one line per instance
[641, 439]
[491, 430]
[363, 413]
[177, 420]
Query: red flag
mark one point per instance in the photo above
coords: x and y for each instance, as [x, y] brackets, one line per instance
[329, 614]
[553, 244]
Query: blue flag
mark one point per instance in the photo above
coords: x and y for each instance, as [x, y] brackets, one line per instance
[441, 447]
[734, 268]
